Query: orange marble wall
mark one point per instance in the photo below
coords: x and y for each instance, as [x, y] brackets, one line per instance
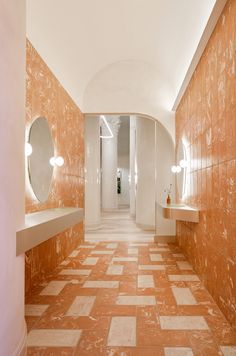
[46, 97]
[206, 119]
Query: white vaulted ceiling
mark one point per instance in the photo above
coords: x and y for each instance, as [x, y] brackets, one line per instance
[119, 55]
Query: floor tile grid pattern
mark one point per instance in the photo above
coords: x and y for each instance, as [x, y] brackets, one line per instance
[168, 311]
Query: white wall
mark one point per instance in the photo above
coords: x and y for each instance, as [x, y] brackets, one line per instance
[132, 151]
[145, 155]
[92, 172]
[165, 158]
[123, 165]
[12, 188]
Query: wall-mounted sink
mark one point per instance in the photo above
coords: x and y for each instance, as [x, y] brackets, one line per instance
[42, 225]
[179, 212]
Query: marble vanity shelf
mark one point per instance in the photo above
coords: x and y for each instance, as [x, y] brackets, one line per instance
[179, 212]
[42, 225]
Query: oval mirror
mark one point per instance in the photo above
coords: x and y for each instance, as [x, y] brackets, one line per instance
[40, 170]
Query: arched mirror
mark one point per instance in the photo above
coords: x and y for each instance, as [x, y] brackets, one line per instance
[39, 167]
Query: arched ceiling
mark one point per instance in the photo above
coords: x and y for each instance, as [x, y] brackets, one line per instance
[141, 48]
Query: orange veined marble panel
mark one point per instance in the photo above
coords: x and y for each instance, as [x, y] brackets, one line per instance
[46, 97]
[206, 116]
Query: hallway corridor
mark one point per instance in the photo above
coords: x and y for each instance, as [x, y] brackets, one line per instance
[118, 225]
[126, 298]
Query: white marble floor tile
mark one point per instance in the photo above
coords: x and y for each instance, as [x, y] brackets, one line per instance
[125, 259]
[184, 265]
[90, 261]
[115, 270]
[53, 338]
[183, 323]
[183, 278]
[100, 252]
[65, 263]
[136, 300]
[112, 245]
[178, 351]
[159, 249]
[81, 306]
[74, 254]
[178, 255]
[86, 246]
[132, 251]
[151, 267]
[53, 288]
[122, 331]
[228, 350]
[35, 309]
[75, 272]
[146, 281]
[138, 244]
[183, 296]
[156, 257]
[101, 284]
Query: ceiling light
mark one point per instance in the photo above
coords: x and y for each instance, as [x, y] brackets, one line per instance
[108, 127]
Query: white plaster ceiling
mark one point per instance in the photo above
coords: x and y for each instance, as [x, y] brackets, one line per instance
[119, 55]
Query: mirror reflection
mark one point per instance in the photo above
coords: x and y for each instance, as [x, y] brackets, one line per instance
[39, 167]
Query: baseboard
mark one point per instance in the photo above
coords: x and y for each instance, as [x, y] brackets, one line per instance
[146, 227]
[21, 349]
[165, 238]
[89, 228]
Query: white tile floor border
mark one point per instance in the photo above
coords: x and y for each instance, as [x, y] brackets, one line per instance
[102, 252]
[125, 259]
[53, 338]
[101, 284]
[228, 350]
[159, 249]
[65, 263]
[184, 265]
[81, 306]
[146, 281]
[122, 331]
[133, 251]
[178, 351]
[183, 278]
[183, 296]
[112, 245]
[53, 288]
[156, 257]
[183, 323]
[74, 254]
[75, 272]
[136, 300]
[35, 309]
[115, 270]
[90, 261]
[87, 246]
[151, 267]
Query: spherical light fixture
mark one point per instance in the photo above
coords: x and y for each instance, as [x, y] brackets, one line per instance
[59, 161]
[173, 169]
[183, 163]
[52, 161]
[28, 149]
[178, 169]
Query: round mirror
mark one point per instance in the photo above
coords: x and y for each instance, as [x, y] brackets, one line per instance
[182, 162]
[40, 170]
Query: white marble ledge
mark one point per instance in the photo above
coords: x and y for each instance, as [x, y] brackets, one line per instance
[179, 212]
[42, 225]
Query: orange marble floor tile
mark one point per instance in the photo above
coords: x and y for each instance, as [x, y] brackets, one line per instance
[150, 338]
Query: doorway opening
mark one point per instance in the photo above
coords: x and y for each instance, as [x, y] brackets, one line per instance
[119, 178]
